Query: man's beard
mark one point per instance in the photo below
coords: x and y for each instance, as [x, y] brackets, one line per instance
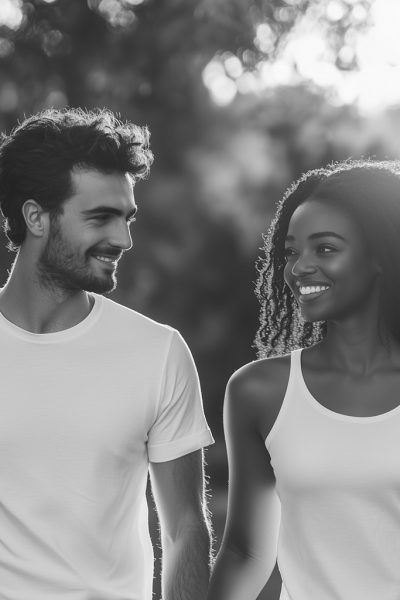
[61, 268]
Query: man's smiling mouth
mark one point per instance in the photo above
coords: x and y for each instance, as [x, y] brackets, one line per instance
[106, 259]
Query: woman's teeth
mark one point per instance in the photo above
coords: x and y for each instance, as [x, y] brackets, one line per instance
[304, 290]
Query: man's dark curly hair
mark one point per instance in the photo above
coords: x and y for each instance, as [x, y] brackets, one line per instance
[369, 191]
[37, 157]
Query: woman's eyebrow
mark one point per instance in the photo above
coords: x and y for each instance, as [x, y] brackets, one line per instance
[313, 236]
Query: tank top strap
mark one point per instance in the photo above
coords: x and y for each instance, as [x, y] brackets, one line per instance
[295, 364]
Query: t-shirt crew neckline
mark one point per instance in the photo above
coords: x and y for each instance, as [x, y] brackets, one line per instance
[56, 336]
[336, 415]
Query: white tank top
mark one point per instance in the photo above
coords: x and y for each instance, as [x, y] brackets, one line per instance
[338, 480]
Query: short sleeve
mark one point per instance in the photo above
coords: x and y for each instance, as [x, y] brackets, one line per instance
[180, 426]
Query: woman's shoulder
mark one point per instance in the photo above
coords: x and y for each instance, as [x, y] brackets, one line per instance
[256, 391]
[258, 375]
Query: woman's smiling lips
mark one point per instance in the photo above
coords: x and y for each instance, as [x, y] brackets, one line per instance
[311, 290]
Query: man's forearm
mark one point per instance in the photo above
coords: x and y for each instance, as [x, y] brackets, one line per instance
[238, 577]
[186, 564]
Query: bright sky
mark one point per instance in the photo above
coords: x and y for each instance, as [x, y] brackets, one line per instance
[375, 86]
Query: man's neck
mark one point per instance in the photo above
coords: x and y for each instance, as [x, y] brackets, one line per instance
[38, 309]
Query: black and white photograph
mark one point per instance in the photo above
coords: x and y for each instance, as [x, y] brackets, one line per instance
[199, 300]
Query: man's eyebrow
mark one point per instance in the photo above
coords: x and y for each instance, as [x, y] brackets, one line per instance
[110, 210]
[320, 234]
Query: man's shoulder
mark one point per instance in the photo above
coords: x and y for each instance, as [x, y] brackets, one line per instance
[125, 319]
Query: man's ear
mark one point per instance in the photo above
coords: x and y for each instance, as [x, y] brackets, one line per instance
[36, 218]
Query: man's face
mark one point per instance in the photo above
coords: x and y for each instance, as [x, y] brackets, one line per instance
[87, 240]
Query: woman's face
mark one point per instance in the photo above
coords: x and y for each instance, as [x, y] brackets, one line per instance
[328, 267]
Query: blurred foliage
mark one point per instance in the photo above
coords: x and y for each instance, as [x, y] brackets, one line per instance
[218, 171]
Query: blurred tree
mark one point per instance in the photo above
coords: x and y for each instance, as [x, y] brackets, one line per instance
[144, 58]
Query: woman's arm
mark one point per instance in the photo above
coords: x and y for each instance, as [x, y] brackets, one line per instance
[248, 551]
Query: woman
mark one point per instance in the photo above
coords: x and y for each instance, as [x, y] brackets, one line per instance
[313, 427]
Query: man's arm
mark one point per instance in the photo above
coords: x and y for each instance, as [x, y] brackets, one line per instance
[178, 489]
[249, 547]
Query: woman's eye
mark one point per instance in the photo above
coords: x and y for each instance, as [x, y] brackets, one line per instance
[325, 249]
[131, 221]
[288, 252]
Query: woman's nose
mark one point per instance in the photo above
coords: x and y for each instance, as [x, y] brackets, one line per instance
[303, 266]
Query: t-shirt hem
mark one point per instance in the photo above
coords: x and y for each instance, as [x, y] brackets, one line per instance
[178, 448]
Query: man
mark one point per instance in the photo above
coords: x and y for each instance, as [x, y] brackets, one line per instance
[91, 392]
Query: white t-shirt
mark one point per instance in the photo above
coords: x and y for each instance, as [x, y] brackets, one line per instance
[82, 412]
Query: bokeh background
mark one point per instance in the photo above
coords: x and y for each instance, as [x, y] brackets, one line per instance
[241, 97]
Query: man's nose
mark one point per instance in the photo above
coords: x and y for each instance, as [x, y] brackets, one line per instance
[121, 236]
